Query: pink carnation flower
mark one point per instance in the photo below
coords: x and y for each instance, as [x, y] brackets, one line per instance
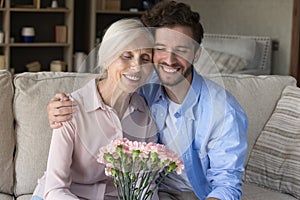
[138, 162]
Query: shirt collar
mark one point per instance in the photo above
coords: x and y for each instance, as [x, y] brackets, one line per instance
[191, 98]
[161, 94]
[92, 99]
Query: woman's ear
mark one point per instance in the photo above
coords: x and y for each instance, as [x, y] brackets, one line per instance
[197, 54]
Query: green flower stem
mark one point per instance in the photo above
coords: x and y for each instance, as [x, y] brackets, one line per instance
[160, 180]
[151, 192]
[144, 183]
[137, 190]
[116, 180]
[117, 188]
[119, 150]
[122, 184]
[126, 179]
[154, 162]
[133, 178]
[142, 166]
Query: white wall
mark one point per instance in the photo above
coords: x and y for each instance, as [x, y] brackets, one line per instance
[251, 17]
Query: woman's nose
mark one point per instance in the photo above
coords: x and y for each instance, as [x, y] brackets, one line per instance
[136, 64]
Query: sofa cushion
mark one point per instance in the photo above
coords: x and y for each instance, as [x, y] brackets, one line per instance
[7, 141]
[32, 93]
[275, 159]
[257, 95]
[255, 192]
[6, 197]
[24, 197]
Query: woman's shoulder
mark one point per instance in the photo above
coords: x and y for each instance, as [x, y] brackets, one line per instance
[88, 89]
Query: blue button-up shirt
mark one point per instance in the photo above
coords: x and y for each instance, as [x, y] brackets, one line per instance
[213, 136]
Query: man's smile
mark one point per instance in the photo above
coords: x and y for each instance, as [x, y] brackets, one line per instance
[169, 69]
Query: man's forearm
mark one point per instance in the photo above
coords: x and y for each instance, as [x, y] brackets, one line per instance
[211, 198]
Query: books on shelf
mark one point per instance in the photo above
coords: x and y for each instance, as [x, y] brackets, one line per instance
[37, 4]
[60, 34]
[34, 66]
[2, 62]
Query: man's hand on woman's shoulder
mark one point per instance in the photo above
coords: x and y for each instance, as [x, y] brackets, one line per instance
[60, 109]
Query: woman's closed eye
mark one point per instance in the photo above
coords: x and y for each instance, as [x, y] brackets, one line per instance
[146, 58]
[126, 55]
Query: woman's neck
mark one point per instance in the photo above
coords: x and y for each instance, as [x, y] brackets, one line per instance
[114, 97]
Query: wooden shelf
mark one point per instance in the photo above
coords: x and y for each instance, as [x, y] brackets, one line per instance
[100, 19]
[120, 12]
[39, 44]
[52, 10]
[44, 20]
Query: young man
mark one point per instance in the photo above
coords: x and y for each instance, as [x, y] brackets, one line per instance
[196, 118]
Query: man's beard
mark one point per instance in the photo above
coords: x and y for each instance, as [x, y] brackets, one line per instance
[184, 76]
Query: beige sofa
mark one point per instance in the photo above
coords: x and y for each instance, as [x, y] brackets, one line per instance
[25, 133]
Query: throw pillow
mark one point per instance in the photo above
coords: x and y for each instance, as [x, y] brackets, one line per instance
[212, 62]
[234, 45]
[275, 159]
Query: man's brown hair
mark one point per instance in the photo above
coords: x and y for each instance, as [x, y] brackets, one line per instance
[171, 13]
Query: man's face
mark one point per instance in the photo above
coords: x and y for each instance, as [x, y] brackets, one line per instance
[174, 52]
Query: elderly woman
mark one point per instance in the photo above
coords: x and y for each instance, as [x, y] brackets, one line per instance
[107, 109]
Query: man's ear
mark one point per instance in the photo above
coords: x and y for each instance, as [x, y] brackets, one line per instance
[197, 54]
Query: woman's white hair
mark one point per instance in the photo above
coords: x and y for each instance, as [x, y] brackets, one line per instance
[125, 34]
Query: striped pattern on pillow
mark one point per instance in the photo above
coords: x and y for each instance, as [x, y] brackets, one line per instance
[228, 63]
[212, 62]
[275, 159]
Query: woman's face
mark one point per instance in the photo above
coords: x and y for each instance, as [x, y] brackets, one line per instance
[131, 69]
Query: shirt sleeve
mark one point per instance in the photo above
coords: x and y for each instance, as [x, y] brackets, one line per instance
[58, 174]
[227, 154]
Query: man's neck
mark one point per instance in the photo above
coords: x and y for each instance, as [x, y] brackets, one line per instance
[178, 92]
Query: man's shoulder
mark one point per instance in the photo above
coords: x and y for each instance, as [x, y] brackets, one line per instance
[217, 92]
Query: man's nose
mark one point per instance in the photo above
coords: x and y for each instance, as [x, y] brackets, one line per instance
[170, 57]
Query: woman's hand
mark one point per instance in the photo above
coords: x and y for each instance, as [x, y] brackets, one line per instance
[60, 109]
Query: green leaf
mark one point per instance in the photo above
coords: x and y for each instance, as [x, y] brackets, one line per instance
[171, 166]
[135, 154]
[108, 157]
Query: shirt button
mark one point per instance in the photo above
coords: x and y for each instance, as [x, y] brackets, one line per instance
[177, 115]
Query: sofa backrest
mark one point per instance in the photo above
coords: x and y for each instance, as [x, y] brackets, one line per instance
[33, 91]
[7, 139]
[257, 95]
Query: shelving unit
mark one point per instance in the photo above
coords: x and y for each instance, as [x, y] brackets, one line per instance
[17, 14]
[100, 19]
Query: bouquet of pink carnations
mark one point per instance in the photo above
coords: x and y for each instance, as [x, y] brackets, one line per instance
[135, 167]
